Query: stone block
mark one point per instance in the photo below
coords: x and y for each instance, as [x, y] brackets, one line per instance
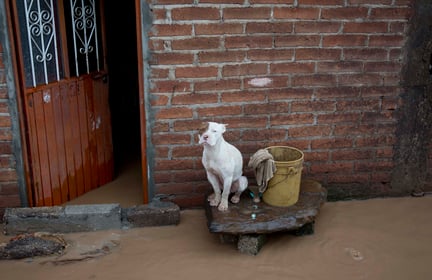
[156, 213]
[76, 218]
[251, 244]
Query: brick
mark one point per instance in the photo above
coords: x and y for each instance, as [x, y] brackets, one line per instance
[286, 2]
[218, 28]
[314, 80]
[338, 118]
[244, 70]
[175, 164]
[264, 135]
[374, 117]
[217, 85]
[195, 13]
[292, 67]
[159, 73]
[252, 42]
[195, 98]
[358, 105]
[170, 86]
[316, 156]
[269, 27]
[344, 40]
[171, 139]
[347, 91]
[174, 113]
[186, 151]
[171, 30]
[360, 79]
[219, 56]
[391, 13]
[222, 1]
[7, 175]
[317, 54]
[353, 129]
[275, 82]
[351, 154]
[266, 108]
[383, 67]
[337, 167]
[317, 27]
[159, 100]
[297, 41]
[348, 178]
[246, 13]
[365, 27]
[339, 66]
[284, 94]
[188, 125]
[321, 2]
[219, 111]
[296, 13]
[271, 55]
[331, 143]
[344, 13]
[243, 97]
[291, 119]
[245, 122]
[386, 41]
[196, 72]
[171, 58]
[310, 131]
[366, 54]
[196, 43]
[375, 141]
[9, 188]
[313, 106]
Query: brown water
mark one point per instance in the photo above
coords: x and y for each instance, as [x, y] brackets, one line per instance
[374, 239]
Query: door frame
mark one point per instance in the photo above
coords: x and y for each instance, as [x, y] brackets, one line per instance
[139, 16]
[14, 91]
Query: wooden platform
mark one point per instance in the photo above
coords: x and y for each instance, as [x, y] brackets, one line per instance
[251, 221]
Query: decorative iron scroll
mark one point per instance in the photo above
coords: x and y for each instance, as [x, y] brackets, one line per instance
[42, 50]
[85, 36]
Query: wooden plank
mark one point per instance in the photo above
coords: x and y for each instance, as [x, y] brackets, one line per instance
[66, 93]
[51, 143]
[34, 152]
[56, 98]
[76, 138]
[84, 133]
[42, 148]
[92, 138]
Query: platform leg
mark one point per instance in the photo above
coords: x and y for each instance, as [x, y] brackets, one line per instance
[306, 229]
[251, 244]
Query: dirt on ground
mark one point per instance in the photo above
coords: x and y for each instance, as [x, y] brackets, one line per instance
[372, 239]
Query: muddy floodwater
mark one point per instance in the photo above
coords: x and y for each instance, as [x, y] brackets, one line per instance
[373, 239]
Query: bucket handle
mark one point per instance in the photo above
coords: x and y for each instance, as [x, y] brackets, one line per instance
[291, 171]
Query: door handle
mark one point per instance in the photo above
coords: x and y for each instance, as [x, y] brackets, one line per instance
[101, 76]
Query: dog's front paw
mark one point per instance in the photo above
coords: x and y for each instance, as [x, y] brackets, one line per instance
[223, 206]
[235, 199]
[214, 200]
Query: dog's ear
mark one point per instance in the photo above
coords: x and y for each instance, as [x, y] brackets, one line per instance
[223, 126]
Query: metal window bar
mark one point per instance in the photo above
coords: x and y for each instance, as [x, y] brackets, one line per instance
[41, 22]
[83, 15]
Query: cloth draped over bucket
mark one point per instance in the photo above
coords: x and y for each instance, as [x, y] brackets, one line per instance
[264, 167]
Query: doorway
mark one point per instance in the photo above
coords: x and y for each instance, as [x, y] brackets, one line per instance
[127, 186]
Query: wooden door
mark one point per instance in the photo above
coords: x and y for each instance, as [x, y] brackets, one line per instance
[64, 80]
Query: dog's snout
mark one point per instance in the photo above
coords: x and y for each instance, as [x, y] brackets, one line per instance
[205, 136]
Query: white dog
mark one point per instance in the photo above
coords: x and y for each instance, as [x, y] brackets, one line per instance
[223, 163]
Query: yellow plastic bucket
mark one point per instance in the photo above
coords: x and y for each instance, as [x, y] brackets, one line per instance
[283, 189]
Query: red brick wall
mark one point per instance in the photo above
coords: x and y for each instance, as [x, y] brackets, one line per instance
[334, 67]
[9, 193]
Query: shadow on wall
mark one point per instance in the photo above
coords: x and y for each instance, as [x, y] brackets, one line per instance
[415, 115]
